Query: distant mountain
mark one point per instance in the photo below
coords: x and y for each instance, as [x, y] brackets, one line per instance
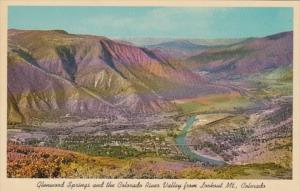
[179, 48]
[178, 45]
[147, 41]
[250, 56]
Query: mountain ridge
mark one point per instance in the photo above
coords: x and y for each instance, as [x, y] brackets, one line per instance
[53, 74]
[63, 65]
[252, 55]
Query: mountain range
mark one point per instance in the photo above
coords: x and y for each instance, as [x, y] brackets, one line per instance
[250, 56]
[52, 74]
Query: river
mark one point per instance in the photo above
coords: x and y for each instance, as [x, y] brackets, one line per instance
[180, 141]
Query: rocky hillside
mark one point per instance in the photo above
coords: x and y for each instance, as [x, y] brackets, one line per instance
[53, 74]
[250, 56]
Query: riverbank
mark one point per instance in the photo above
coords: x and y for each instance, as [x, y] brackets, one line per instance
[186, 149]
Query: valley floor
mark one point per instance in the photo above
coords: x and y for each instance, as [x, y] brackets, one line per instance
[226, 150]
[223, 136]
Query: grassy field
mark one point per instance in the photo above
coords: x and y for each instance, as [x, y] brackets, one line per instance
[213, 103]
[275, 83]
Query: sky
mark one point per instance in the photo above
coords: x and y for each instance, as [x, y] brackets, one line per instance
[155, 22]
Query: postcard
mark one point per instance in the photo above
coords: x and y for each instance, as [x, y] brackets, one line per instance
[148, 95]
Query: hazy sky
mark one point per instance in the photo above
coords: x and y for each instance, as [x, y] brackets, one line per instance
[154, 21]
